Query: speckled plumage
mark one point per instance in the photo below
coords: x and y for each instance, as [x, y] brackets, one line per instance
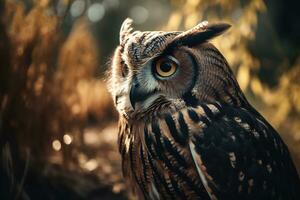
[192, 135]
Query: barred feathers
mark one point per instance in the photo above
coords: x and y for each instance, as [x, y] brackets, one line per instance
[179, 156]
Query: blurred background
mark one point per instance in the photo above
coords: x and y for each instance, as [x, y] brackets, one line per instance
[58, 129]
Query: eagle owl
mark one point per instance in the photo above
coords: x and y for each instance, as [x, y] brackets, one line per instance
[186, 130]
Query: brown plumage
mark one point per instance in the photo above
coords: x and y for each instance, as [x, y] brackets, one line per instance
[186, 130]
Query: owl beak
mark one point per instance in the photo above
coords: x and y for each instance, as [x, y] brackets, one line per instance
[137, 93]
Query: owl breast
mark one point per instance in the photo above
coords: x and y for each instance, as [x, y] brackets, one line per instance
[158, 155]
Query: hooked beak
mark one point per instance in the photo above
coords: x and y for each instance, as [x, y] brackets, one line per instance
[137, 93]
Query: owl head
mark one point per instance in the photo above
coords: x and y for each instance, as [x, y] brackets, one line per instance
[155, 71]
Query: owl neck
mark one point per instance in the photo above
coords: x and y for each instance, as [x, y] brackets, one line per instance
[213, 80]
[226, 92]
[192, 100]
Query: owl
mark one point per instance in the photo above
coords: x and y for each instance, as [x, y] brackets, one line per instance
[186, 130]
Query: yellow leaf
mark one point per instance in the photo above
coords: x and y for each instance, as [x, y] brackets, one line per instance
[243, 77]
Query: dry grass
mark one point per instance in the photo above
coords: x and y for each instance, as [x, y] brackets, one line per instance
[49, 90]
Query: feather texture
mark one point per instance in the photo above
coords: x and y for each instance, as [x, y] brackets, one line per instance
[211, 151]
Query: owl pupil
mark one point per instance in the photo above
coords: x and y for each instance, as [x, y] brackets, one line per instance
[166, 67]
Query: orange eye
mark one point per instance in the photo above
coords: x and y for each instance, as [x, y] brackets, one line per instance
[166, 66]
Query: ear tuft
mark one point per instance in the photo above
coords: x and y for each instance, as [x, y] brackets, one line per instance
[218, 29]
[125, 30]
[200, 33]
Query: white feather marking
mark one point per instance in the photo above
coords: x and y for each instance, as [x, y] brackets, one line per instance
[213, 108]
[232, 159]
[153, 192]
[195, 157]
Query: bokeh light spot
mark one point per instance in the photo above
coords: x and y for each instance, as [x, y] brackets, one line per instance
[56, 145]
[91, 164]
[77, 8]
[67, 139]
[96, 12]
[139, 14]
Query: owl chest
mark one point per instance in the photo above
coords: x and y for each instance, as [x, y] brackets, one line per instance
[156, 166]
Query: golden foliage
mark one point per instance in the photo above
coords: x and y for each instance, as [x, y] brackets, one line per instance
[79, 90]
[50, 93]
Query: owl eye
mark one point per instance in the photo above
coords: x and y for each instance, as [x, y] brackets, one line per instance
[166, 66]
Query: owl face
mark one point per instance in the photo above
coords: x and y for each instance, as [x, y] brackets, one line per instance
[166, 75]
[153, 71]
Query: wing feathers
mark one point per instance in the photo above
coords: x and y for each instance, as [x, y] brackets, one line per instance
[210, 151]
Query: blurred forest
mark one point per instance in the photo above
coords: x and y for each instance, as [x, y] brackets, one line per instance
[58, 129]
